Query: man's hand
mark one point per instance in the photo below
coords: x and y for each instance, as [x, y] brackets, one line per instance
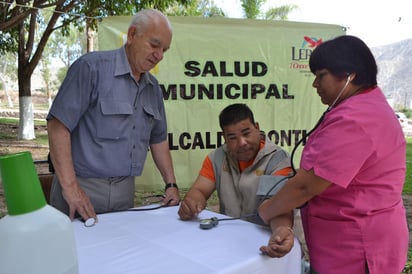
[172, 196]
[78, 201]
[280, 243]
[193, 203]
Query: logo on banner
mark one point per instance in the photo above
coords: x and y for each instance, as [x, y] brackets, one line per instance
[300, 55]
[311, 42]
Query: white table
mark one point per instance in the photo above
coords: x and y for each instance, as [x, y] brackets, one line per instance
[157, 241]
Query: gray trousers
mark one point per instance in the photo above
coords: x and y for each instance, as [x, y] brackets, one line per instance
[105, 194]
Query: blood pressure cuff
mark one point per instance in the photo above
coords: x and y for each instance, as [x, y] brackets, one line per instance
[267, 187]
[270, 185]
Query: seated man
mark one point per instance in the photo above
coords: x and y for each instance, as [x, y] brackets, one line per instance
[234, 170]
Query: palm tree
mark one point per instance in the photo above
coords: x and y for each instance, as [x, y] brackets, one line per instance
[252, 9]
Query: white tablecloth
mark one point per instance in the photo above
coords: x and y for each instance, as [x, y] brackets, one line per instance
[157, 241]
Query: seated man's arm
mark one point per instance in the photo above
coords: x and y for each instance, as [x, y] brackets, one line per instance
[282, 238]
[195, 199]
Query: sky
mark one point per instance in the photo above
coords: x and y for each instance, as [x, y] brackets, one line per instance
[376, 22]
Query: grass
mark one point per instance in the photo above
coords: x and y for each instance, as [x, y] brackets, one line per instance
[5, 135]
[41, 137]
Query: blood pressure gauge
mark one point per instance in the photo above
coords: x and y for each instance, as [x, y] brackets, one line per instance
[208, 223]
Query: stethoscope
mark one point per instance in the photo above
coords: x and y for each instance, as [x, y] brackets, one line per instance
[212, 222]
[316, 125]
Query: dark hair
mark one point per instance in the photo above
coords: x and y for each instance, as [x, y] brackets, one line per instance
[235, 113]
[344, 55]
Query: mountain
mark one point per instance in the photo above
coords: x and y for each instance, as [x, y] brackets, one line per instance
[395, 72]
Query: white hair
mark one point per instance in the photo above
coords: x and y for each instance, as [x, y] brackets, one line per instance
[145, 17]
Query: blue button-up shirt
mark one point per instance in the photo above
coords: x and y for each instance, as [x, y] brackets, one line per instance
[112, 117]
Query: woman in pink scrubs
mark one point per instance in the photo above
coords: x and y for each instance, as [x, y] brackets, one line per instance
[352, 170]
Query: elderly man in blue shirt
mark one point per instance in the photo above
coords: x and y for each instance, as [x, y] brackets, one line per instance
[107, 114]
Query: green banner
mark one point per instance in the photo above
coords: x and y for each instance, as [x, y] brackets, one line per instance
[214, 62]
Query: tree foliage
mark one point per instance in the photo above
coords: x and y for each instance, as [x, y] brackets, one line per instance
[13, 13]
[204, 8]
[26, 27]
[67, 48]
[253, 10]
[280, 13]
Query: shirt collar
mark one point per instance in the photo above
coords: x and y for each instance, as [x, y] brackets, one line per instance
[122, 67]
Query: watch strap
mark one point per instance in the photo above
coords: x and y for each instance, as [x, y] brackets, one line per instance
[171, 185]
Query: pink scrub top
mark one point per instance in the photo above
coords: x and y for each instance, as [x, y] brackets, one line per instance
[360, 148]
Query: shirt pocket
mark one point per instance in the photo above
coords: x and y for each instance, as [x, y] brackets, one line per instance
[115, 122]
[151, 117]
[151, 114]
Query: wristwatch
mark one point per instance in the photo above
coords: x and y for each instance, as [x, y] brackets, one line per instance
[171, 185]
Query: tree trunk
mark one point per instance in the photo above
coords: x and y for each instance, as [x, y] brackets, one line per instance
[50, 101]
[26, 121]
[25, 70]
[90, 38]
[5, 87]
